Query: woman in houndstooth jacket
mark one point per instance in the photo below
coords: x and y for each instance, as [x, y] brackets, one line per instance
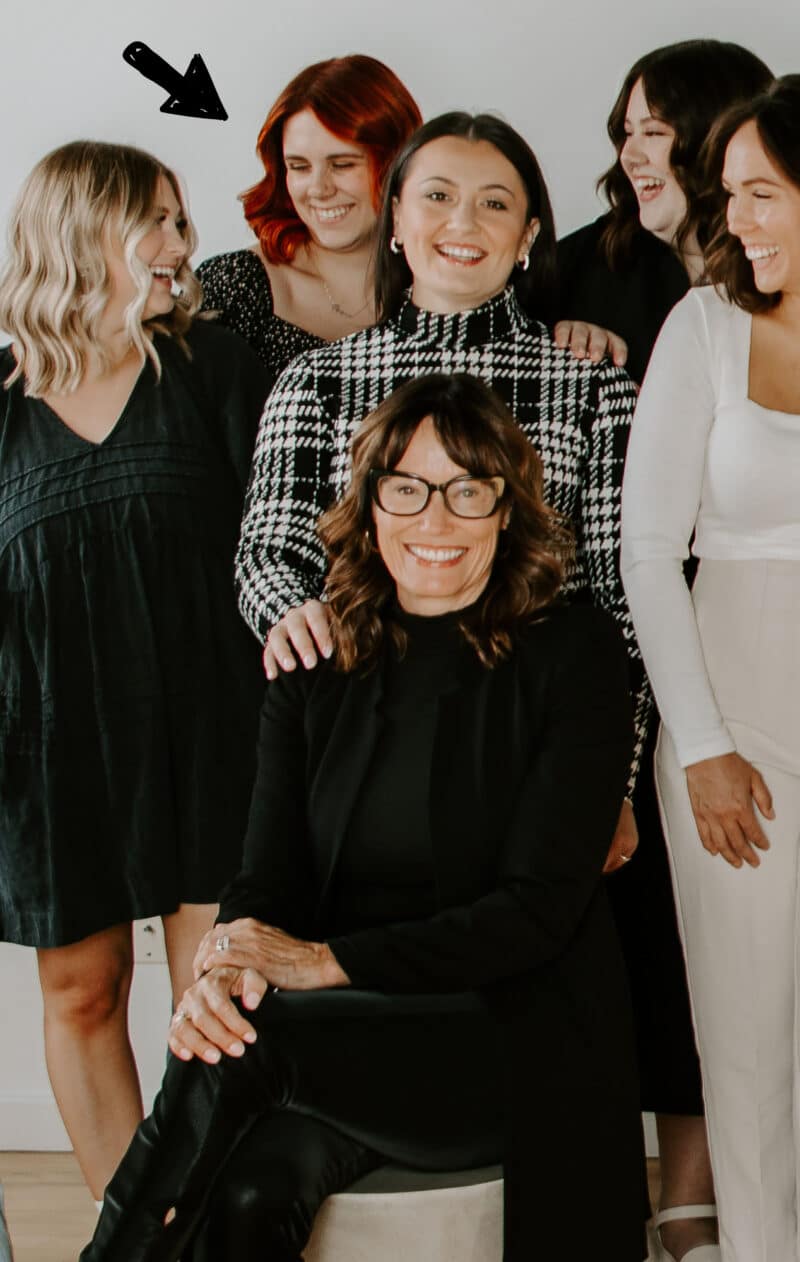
[467, 223]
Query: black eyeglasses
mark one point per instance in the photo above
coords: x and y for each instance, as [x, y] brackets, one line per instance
[404, 494]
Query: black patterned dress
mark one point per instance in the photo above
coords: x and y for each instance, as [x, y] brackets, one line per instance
[129, 686]
[236, 286]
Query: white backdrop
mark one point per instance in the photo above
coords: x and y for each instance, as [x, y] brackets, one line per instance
[553, 70]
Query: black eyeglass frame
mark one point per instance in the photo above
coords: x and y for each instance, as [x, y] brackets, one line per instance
[375, 476]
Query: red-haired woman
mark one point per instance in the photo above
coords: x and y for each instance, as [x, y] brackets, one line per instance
[325, 146]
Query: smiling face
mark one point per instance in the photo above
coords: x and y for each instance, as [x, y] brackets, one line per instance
[329, 182]
[439, 562]
[162, 250]
[462, 220]
[763, 212]
[645, 159]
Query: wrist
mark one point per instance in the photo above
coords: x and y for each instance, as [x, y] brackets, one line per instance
[331, 971]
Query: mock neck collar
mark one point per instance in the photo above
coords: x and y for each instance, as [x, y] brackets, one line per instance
[492, 321]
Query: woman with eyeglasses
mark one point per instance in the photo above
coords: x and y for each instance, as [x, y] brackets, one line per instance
[421, 883]
[466, 252]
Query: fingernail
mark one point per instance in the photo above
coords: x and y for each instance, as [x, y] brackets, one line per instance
[250, 1037]
[270, 675]
[326, 652]
[212, 1055]
[185, 1054]
[288, 663]
[236, 1049]
[309, 660]
[252, 1000]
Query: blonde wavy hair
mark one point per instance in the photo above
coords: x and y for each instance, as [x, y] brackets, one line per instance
[55, 285]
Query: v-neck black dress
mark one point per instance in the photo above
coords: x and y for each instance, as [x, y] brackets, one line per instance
[129, 686]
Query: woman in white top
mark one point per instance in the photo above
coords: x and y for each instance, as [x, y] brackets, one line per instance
[715, 449]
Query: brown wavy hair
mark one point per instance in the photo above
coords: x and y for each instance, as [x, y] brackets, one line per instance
[357, 98]
[776, 114]
[687, 85]
[478, 433]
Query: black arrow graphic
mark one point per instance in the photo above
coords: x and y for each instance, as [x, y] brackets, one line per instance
[192, 94]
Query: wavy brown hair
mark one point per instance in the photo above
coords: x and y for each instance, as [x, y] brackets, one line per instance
[776, 114]
[480, 435]
[686, 85]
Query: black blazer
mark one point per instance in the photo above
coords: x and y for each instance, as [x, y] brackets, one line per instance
[530, 765]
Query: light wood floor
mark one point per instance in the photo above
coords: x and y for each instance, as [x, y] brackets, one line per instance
[50, 1213]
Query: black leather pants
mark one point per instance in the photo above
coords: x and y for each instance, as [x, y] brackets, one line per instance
[238, 1156]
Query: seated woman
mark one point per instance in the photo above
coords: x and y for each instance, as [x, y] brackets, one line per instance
[422, 882]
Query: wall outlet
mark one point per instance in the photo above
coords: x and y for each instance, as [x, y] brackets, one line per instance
[148, 942]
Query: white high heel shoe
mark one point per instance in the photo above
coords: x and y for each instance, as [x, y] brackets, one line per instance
[700, 1252]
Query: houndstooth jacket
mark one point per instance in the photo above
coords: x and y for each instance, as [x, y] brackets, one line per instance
[576, 413]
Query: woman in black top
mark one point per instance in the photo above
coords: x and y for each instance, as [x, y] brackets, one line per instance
[422, 881]
[628, 269]
[128, 685]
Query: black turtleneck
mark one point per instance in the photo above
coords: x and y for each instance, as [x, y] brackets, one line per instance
[385, 870]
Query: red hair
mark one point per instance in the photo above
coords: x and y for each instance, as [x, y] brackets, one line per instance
[358, 99]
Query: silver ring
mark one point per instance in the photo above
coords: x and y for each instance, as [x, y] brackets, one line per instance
[180, 1016]
[625, 858]
[223, 943]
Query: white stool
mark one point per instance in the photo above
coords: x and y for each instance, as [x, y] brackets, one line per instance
[396, 1215]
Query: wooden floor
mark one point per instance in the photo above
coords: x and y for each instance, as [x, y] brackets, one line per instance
[50, 1213]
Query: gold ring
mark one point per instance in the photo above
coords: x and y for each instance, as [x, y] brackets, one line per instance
[180, 1015]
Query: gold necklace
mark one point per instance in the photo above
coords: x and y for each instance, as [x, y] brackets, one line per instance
[334, 305]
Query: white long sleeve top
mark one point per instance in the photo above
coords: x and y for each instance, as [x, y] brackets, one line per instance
[702, 457]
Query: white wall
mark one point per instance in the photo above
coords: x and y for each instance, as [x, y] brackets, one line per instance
[553, 69]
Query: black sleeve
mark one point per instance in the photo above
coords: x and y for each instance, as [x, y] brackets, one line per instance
[554, 850]
[275, 884]
[239, 383]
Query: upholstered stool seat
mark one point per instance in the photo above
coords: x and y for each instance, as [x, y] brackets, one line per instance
[397, 1215]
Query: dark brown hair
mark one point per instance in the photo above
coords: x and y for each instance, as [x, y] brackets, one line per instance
[479, 433]
[535, 288]
[776, 114]
[357, 98]
[687, 85]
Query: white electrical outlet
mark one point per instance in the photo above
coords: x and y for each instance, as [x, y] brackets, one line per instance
[148, 942]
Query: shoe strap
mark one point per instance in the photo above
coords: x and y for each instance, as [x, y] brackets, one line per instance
[684, 1211]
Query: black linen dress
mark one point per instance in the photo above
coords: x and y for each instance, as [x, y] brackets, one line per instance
[634, 300]
[129, 687]
[236, 286]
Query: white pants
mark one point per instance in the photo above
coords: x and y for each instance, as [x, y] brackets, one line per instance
[740, 927]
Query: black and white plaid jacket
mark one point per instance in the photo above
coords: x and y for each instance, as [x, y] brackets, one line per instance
[576, 413]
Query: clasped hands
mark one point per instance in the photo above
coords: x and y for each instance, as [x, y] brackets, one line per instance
[242, 960]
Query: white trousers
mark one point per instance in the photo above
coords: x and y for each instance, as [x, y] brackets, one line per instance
[740, 927]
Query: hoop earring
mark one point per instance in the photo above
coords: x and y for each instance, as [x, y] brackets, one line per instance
[395, 246]
[524, 263]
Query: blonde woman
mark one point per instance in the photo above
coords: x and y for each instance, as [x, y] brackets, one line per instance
[128, 687]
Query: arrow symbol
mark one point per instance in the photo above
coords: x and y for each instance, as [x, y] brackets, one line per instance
[192, 94]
